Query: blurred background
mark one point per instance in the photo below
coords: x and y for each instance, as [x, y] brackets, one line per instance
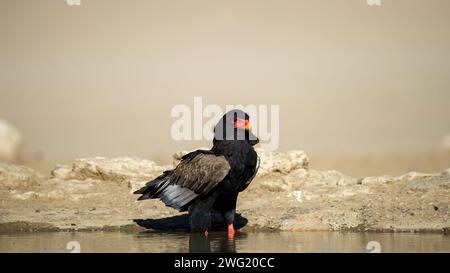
[362, 89]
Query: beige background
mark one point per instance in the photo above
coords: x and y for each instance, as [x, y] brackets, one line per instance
[101, 78]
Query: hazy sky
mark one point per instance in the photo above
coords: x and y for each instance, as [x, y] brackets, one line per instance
[102, 78]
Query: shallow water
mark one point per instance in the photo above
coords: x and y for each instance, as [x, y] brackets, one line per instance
[218, 242]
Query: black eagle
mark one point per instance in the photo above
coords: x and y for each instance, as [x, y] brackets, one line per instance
[210, 179]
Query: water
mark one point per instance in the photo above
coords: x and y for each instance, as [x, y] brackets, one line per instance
[218, 242]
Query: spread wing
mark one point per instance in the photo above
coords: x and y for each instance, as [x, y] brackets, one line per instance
[197, 174]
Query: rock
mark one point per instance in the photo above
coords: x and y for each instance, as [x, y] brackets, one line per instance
[447, 172]
[26, 195]
[329, 178]
[275, 184]
[18, 177]
[128, 170]
[298, 195]
[281, 162]
[414, 175]
[312, 183]
[376, 180]
[314, 178]
[10, 142]
[428, 182]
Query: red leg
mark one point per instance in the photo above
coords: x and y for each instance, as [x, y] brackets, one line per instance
[230, 231]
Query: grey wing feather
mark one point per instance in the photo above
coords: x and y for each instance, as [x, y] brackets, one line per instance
[194, 176]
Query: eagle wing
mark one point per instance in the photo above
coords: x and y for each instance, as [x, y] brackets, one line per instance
[197, 174]
[200, 172]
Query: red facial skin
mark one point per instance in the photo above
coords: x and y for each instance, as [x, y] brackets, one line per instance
[241, 124]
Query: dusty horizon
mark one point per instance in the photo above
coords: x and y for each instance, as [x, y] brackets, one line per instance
[102, 78]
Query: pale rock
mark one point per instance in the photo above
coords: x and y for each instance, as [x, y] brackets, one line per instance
[428, 183]
[26, 195]
[447, 171]
[414, 175]
[122, 170]
[316, 182]
[297, 195]
[63, 172]
[281, 162]
[10, 142]
[322, 178]
[55, 194]
[275, 184]
[383, 179]
[17, 176]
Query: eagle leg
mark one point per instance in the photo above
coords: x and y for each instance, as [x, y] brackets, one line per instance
[231, 231]
[200, 214]
[229, 219]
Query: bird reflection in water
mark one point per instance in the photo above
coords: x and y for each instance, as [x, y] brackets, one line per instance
[215, 242]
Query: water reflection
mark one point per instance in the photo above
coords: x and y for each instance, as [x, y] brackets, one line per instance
[213, 243]
[151, 241]
[178, 225]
